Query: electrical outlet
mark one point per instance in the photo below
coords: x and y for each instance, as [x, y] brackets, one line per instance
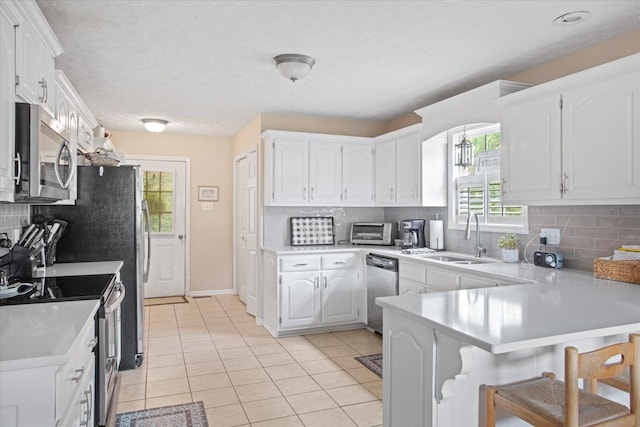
[552, 235]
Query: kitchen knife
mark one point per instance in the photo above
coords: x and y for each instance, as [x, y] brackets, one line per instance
[36, 238]
[52, 232]
[25, 235]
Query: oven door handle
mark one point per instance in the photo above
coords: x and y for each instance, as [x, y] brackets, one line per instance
[113, 306]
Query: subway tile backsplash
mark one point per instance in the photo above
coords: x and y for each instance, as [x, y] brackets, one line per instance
[588, 232]
[13, 217]
[276, 221]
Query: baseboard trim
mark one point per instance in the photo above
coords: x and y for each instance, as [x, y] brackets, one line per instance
[211, 293]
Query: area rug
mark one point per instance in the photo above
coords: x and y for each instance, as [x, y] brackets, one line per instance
[185, 415]
[373, 362]
[165, 300]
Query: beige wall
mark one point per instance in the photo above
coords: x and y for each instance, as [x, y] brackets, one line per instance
[248, 136]
[210, 233]
[607, 51]
[327, 125]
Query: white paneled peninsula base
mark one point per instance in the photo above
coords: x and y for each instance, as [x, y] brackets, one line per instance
[439, 348]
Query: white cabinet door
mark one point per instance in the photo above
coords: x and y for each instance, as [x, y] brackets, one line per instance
[407, 287]
[530, 160]
[341, 295]
[300, 304]
[290, 172]
[442, 280]
[468, 282]
[28, 63]
[357, 174]
[601, 139]
[7, 109]
[408, 170]
[325, 173]
[385, 173]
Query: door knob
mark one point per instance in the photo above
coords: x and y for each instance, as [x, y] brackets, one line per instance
[180, 236]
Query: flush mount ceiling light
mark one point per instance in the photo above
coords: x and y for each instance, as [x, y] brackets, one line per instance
[294, 66]
[154, 125]
[571, 18]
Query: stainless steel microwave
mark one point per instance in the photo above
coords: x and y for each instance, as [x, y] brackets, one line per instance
[374, 233]
[45, 159]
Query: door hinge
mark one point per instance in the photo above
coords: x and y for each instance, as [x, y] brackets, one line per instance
[358, 312]
[280, 280]
[273, 144]
[561, 103]
[341, 149]
[17, 80]
[280, 320]
[273, 195]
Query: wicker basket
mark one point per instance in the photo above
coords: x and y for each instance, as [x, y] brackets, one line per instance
[622, 271]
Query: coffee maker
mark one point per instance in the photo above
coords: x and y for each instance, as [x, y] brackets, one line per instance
[412, 233]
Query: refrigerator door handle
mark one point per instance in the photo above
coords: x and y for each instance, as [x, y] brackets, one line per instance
[147, 229]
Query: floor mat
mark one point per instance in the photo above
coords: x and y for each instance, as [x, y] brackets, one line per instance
[185, 415]
[373, 362]
[165, 300]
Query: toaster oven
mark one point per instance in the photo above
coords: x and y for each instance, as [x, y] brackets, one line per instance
[374, 233]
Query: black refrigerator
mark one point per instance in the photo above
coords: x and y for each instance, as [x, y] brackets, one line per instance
[109, 222]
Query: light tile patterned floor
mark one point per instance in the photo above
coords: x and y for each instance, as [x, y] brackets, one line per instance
[211, 350]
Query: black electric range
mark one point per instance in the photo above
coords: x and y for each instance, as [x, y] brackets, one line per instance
[65, 288]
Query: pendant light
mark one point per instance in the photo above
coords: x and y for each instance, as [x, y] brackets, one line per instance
[464, 151]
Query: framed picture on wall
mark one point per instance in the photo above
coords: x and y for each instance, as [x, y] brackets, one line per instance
[207, 194]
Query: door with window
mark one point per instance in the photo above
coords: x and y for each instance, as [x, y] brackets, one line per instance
[164, 187]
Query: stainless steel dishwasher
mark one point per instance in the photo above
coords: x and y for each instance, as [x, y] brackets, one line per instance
[382, 281]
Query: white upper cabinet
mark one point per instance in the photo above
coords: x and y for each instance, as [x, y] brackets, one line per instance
[398, 168]
[8, 166]
[385, 173]
[36, 48]
[325, 173]
[290, 172]
[575, 140]
[311, 169]
[357, 174]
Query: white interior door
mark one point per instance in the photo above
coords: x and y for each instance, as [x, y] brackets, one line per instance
[241, 218]
[164, 184]
[246, 229]
[252, 233]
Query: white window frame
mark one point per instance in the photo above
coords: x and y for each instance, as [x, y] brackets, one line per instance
[457, 222]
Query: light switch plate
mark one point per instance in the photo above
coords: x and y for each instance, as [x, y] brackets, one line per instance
[552, 235]
[206, 206]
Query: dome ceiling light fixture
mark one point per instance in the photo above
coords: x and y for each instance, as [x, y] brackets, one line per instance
[571, 18]
[154, 125]
[294, 66]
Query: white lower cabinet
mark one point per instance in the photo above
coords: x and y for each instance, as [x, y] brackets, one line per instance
[313, 291]
[419, 278]
[54, 395]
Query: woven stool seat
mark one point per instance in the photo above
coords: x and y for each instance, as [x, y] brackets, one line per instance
[546, 397]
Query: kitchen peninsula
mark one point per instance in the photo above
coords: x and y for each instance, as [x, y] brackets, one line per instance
[439, 348]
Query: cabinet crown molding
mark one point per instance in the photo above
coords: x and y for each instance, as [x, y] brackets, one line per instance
[29, 10]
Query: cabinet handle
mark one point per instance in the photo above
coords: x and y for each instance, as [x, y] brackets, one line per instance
[415, 192]
[304, 193]
[312, 193]
[391, 193]
[46, 91]
[339, 262]
[19, 162]
[504, 183]
[79, 372]
[345, 194]
[42, 84]
[563, 186]
[93, 343]
[300, 265]
[316, 281]
[325, 282]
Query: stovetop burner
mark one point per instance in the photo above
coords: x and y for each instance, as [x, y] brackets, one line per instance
[66, 288]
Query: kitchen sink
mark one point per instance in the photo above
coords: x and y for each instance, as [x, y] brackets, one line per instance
[456, 259]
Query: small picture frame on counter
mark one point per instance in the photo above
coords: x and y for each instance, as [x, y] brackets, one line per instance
[208, 193]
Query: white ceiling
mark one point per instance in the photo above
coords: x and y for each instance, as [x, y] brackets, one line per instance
[206, 66]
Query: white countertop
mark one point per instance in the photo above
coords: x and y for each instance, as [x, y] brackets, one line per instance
[563, 306]
[80, 269]
[35, 335]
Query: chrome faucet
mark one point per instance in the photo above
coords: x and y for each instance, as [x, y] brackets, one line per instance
[479, 248]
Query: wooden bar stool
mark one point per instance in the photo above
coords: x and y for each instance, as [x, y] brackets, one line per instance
[545, 401]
